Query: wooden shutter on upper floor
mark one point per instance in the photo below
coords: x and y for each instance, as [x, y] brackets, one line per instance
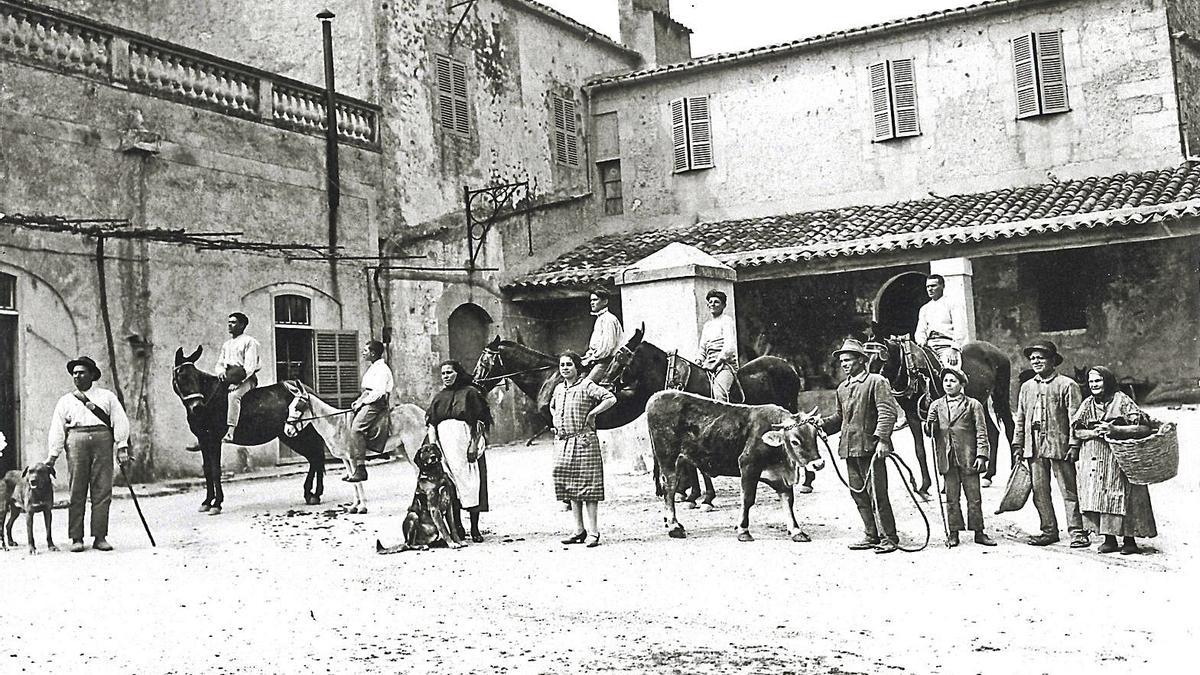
[700, 155]
[453, 113]
[881, 102]
[679, 135]
[1025, 77]
[566, 134]
[1052, 73]
[337, 367]
[904, 98]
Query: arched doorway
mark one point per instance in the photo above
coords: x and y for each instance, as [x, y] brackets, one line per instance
[468, 326]
[899, 302]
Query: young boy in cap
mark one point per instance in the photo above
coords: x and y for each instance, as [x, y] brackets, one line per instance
[958, 427]
[1044, 438]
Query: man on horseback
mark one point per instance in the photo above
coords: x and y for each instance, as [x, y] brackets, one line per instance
[371, 426]
[940, 324]
[718, 347]
[237, 369]
[606, 336]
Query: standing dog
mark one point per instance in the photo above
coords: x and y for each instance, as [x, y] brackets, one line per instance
[31, 490]
[430, 520]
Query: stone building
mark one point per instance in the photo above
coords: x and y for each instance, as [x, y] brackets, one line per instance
[1037, 153]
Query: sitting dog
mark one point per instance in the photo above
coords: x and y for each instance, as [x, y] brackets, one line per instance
[31, 490]
[430, 520]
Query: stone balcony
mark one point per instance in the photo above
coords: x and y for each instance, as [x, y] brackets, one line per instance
[65, 43]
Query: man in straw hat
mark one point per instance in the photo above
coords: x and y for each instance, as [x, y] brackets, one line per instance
[1044, 438]
[958, 427]
[866, 414]
[87, 423]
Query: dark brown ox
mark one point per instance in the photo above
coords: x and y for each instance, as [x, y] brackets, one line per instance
[753, 442]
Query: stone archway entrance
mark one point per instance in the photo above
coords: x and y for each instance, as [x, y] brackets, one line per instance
[468, 326]
[899, 302]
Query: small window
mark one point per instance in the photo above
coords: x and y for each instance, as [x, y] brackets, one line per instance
[566, 135]
[452, 95]
[1039, 75]
[610, 185]
[292, 310]
[8, 292]
[894, 100]
[1061, 282]
[691, 134]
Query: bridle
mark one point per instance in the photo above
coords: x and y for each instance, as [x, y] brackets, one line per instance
[673, 382]
[621, 360]
[204, 400]
[490, 358]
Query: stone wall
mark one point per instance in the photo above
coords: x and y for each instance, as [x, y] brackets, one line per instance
[67, 152]
[793, 132]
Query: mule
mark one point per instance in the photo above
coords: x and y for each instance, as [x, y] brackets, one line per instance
[264, 411]
[336, 427]
[912, 371]
[639, 369]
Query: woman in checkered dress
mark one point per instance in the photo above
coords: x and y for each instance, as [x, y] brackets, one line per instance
[578, 467]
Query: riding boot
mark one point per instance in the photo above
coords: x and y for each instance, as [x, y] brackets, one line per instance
[359, 475]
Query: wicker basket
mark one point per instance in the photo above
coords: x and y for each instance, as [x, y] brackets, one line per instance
[1153, 459]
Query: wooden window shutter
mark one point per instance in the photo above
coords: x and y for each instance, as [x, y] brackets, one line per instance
[458, 72]
[566, 134]
[700, 155]
[337, 367]
[1052, 74]
[679, 135]
[881, 102]
[904, 98]
[1025, 77]
[445, 92]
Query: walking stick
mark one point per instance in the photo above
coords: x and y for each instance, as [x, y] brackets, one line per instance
[136, 505]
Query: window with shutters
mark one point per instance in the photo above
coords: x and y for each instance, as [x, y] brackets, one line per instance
[566, 135]
[1039, 74]
[691, 134]
[337, 367]
[452, 95]
[610, 185]
[893, 100]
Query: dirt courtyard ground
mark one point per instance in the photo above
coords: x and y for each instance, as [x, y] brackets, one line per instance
[273, 586]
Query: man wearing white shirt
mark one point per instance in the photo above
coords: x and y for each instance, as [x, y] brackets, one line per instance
[237, 367]
[718, 347]
[87, 423]
[941, 325]
[371, 424]
[606, 335]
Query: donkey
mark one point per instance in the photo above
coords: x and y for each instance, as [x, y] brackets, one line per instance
[264, 411]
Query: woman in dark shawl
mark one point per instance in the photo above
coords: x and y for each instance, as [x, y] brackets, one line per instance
[458, 419]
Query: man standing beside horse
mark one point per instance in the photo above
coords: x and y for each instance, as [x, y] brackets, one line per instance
[237, 369]
[718, 347]
[940, 324]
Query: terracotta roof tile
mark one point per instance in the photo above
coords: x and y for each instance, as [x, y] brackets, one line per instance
[1098, 201]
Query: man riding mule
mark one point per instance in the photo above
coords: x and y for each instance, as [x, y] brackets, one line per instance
[370, 411]
[237, 367]
[718, 348]
[940, 324]
[606, 336]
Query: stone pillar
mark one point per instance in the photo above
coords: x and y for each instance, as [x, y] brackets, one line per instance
[665, 291]
[958, 275]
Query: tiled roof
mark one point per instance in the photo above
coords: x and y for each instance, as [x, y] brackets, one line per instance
[1104, 201]
[551, 13]
[988, 6]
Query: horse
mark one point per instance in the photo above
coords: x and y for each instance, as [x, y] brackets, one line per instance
[264, 411]
[640, 369]
[335, 425]
[912, 370]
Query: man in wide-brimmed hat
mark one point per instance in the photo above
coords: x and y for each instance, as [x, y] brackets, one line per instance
[87, 423]
[1044, 438]
[866, 414]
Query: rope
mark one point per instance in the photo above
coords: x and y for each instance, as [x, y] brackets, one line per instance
[513, 374]
[321, 417]
[868, 480]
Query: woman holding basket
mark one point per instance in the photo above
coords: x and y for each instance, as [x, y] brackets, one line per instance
[1111, 505]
